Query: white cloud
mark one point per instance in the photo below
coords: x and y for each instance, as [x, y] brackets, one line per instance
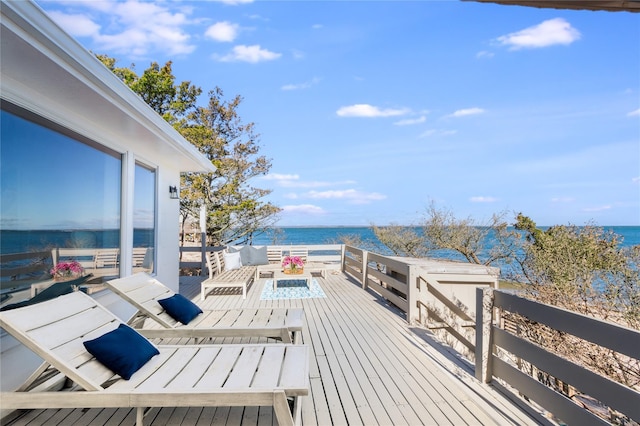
[482, 199]
[293, 181]
[135, 28]
[234, 2]
[76, 25]
[304, 209]
[437, 132]
[467, 111]
[411, 121]
[548, 33]
[297, 54]
[300, 86]
[366, 110]
[597, 208]
[485, 54]
[635, 180]
[279, 176]
[635, 113]
[252, 54]
[317, 26]
[222, 31]
[311, 184]
[351, 195]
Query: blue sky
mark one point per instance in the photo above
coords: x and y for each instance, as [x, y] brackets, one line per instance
[370, 111]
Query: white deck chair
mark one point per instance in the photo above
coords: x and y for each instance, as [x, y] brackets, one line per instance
[180, 376]
[143, 292]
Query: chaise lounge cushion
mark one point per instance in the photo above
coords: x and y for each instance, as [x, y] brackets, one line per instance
[122, 350]
[180, 308]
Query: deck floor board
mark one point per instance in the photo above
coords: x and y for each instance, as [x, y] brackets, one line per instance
[367, 367]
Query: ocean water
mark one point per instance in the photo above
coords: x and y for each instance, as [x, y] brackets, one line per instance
[27, 241]
[331, 235]
[630, 236]
[12, 241]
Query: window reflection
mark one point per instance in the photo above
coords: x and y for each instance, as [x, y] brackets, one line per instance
[60, 201]
[144, 219]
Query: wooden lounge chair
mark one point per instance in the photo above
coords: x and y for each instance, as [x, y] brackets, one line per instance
[144, 291]
[179, 376]
[222, 277]
[274, 256]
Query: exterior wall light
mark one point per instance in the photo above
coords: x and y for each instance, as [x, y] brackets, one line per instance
[173, 193]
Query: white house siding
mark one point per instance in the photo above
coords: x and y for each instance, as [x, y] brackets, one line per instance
[46, 72]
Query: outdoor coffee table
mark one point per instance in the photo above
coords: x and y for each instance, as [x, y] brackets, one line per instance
[281, 276]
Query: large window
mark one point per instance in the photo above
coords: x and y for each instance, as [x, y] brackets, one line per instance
[60, 195]
[144, 217]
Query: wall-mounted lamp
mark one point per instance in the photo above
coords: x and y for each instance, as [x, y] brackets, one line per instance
[173, 193]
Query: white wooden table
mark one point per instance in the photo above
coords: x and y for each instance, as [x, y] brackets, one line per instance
[281, 276]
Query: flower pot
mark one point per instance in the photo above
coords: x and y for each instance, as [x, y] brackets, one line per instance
[67, 278]
[294, 271]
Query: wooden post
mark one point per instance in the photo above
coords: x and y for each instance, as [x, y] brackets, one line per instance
[413, 315]
[55, 255]
[364, 269]
[203, 252]
[484, 340]
[203, 238]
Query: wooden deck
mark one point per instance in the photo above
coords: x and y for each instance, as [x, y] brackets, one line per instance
[368, 367]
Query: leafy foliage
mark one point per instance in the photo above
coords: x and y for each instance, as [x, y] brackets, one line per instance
[583, 269]
[235, 210]
[441, 230]
[157, 87]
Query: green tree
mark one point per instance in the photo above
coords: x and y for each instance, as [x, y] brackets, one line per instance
[236, 211]
[235, 207]
[583, 269]
[157, 86]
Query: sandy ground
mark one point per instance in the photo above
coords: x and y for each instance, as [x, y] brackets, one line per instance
[191, 256]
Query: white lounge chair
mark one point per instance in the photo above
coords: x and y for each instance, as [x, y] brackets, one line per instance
[144, 291]
[178, 376]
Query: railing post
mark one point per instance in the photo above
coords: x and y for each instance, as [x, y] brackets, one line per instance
[413, 315]
[484, 336]
[203, 252]
[344, 258]
[365, 262]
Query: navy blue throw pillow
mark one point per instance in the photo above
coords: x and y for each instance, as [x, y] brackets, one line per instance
[180, 308]
[122, 350]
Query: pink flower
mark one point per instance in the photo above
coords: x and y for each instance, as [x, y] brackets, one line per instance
[292, 262]
[67, 269]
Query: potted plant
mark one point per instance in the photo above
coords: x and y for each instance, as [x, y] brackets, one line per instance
[67, 270]
[292, 265]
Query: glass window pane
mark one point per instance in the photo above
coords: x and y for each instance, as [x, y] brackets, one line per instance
[60, 199]
[144, 219]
